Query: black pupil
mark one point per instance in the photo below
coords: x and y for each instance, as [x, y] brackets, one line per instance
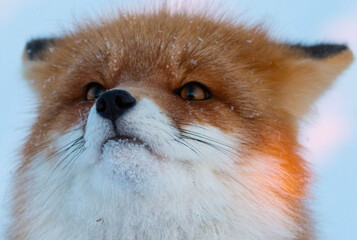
[96, 92]
[190, 93]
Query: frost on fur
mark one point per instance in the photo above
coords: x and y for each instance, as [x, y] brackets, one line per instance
[168, 125]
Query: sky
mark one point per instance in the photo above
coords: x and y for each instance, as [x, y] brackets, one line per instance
[329, 134]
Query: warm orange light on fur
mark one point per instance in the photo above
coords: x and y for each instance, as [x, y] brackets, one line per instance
[260, 89]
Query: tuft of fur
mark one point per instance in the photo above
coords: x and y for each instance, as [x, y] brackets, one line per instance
[224, 168]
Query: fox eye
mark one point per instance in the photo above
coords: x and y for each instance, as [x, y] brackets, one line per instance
[194, 91]
[93, 91]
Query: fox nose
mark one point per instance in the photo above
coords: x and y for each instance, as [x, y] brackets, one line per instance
[114, 103]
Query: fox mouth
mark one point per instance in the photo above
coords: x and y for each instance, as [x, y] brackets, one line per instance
[131, 140]
[126, 138]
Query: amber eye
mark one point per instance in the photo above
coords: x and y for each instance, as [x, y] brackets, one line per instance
[93, 91]
[194, 91]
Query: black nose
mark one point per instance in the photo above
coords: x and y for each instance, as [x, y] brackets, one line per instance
[114, 103]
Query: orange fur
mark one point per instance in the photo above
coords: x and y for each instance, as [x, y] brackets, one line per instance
[260, 88]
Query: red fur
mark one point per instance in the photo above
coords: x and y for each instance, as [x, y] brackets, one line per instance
[260, 88]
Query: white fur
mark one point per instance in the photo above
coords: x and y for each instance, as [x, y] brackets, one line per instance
[159, 190]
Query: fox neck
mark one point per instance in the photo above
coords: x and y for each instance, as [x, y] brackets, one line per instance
[211, 206]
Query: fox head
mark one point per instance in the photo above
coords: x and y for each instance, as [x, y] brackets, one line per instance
[169, 126]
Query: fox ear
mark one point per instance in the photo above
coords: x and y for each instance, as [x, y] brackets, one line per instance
[35, 56]
[310, 71]
[321, 51]
[36, 48]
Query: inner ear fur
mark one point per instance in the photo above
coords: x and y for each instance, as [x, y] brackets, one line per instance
[310, 71]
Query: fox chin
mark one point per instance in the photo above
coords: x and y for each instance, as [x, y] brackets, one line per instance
[168, 125]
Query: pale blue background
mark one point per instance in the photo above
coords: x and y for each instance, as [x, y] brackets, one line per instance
[335, 191]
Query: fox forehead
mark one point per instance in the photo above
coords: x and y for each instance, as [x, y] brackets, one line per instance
[159, 49]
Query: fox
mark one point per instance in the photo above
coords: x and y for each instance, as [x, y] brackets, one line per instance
[169, 125]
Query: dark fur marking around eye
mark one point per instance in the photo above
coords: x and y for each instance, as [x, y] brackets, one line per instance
[321, 50]
[35, 47]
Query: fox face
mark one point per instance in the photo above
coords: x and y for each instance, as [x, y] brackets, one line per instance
[168, 126]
